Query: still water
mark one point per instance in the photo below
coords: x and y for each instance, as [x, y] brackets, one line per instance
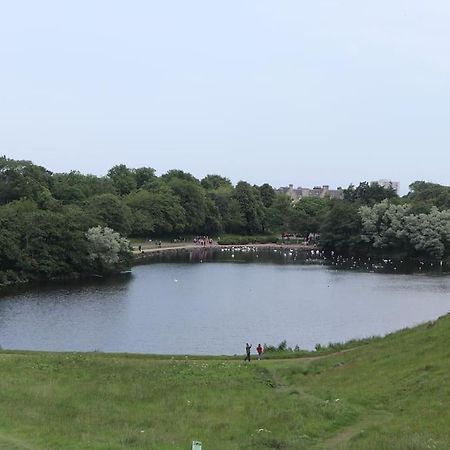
[195, 305]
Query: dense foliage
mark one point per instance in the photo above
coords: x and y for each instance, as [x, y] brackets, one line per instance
[396, 228]
[45, 217]
[366, 224]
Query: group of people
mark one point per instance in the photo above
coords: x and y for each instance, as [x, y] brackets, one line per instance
[203, 240]
[248, 348]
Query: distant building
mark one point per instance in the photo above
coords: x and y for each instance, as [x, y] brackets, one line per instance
[389, 184]
[316, 192]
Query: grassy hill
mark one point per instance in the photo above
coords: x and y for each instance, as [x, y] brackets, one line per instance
[390, 393]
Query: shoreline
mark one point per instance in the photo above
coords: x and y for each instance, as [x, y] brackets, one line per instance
[140, 254]
[138, 257]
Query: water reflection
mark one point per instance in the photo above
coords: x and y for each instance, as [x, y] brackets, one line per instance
[200, 302]
[287, 255]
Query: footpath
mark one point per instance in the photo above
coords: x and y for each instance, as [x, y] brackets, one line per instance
[176, 247]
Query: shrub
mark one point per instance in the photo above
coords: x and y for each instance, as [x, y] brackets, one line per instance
[282, 347]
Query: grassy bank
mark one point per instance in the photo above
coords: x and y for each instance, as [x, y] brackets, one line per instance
[224, 239]
[233, 239]
[390, 393]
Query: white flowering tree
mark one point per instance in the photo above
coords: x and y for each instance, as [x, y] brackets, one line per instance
[384, 224]
[430, 233]
[395, 228]
[108, 250]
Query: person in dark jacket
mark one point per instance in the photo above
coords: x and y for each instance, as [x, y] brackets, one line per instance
[248, 347]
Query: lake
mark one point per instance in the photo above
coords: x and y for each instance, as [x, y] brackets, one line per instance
[214, 302]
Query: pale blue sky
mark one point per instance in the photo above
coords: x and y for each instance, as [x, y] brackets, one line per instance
[307, 92]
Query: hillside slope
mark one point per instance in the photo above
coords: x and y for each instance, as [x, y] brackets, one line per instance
[391, 393]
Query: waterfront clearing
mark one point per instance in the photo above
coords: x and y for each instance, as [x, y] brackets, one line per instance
[170, 247]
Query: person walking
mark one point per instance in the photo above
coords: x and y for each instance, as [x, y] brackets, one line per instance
[248, 347]
[259, 349]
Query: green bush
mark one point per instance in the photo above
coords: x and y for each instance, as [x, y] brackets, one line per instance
[282, 347]
[9, 277]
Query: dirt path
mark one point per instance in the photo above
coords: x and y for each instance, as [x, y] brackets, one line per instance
[166, 249]
[341, 439]
[315, 358]
[216, 246]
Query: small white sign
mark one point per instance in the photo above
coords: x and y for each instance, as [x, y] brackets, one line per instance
[196, 445]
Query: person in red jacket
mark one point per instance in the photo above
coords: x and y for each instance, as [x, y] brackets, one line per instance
[259, 349]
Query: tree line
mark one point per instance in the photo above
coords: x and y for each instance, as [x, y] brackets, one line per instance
[58, 224]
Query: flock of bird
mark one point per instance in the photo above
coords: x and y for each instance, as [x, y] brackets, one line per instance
[332, 259]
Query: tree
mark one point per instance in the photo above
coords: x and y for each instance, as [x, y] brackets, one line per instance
[144, 176]
[300, 222]
[156, 213]
[42, 243]
[107, 250]
[179, 175]
[193, 200]
[368, 194]
[21, 179]
[267, 194]
[251, 207]
[398, 231]
[424, 195]
[308, 215]
[109, 210]
[214, 182]
[213, 221]
[11, 237]
[383, 225]
[430, 233]
[279, 215]
[123, 179]
[77, 221]
[231, 218]
[74, 187]
[341, 230]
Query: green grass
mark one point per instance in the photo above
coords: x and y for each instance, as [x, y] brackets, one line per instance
[225, 239]
[235, 239]
[390, 393]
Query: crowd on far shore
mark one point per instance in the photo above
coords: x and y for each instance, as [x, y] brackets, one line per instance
[203, 240]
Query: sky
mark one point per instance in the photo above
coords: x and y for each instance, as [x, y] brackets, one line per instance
[282, 91]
